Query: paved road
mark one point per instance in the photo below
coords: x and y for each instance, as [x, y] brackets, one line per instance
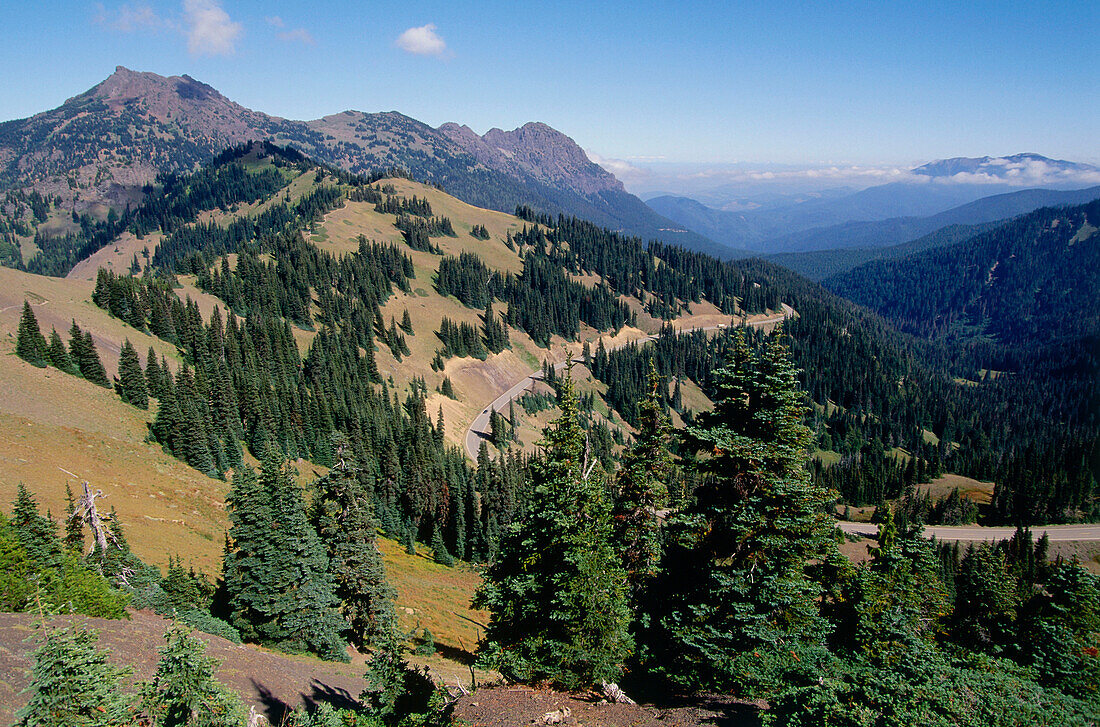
[975, 532]
[479, 428]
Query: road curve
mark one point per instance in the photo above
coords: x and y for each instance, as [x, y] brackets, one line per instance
[976, 532]
[479, 428]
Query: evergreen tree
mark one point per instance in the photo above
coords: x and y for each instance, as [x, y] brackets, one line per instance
[154, 374]
[59, 355]
[74, 525]
[184, 692]
[895, 599]
[346, 526]
[83, 353]
[439, 548]
[641, 491]
[734, 602]
[555, 589]
[37, 534]
[131, 379]
[277, 575]
[29, 343]
[72, 685]
[986, 600]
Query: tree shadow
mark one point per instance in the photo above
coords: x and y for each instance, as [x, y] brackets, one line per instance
[455, 654]
[713, 709]
[322, 693]
[274, 708]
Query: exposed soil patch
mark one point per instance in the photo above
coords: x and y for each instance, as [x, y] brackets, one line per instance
[518, 705]
[273, 682]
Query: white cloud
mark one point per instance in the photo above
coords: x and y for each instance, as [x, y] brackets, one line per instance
[621, 168]
[210, 30]
[422, 41]
[128, 18]
[300, 35]
[275, 21]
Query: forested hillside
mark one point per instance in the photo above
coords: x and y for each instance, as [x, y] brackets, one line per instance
[1031, 281]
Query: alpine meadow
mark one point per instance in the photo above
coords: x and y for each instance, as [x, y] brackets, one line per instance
[368, 421]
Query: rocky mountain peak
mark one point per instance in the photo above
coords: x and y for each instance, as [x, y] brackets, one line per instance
[538, 150]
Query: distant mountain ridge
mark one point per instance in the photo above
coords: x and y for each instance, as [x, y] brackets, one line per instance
[100, 147]
[808, 223]
[1029, 281]
[1008, 168]
[883, 233]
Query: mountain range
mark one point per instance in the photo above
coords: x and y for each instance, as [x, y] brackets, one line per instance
[102, 147]
[839, 220]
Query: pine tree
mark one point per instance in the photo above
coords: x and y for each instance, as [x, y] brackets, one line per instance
[154, 375]
[83, 353]
[131, 379]
[37, 534]
[92, 367]
[986, 600]
[895, 599]
[29, 343]
[641, 490]
[184, 692]
[72, 685]
[342, 516]
[74, 525]
[277, 575]
[439, 548]
[555, 589]
[59, 355]
[734, 595]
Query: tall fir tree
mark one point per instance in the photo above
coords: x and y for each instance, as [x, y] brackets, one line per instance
[641, 490]
[59, 355]
[37, 533]
[555, 590]
[734, 602]
[131, 379]
[342, 515]
[277, 576]
[30, 345]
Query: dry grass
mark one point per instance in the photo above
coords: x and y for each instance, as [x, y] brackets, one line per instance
[976, 490]
[435, 597]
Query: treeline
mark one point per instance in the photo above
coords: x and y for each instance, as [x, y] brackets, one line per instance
[394, 205]
[418, 231]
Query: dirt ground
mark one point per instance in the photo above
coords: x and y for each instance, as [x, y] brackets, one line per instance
[511, 706]
[273, 682]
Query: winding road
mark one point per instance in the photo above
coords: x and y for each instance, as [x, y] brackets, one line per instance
[978, 532]
[479, 428]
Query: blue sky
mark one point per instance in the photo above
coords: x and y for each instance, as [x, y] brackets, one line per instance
[873, 83]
